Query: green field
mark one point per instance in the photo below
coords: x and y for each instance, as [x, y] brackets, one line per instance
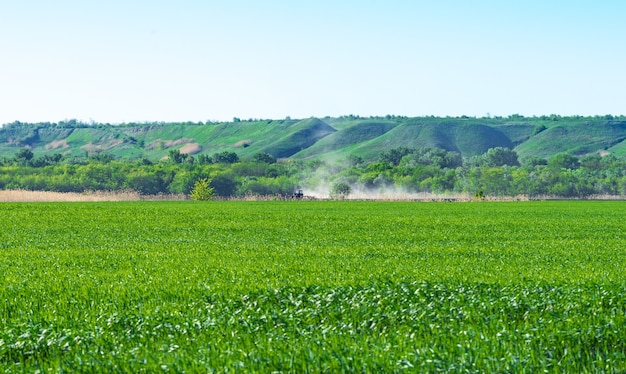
[317, 286]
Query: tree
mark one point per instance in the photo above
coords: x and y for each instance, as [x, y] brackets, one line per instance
[203, 159]
[535, 161]
[500, 156]
[146, 182]
[24, 156]
[265, 158]
[176, 157]
[354, 160]
[340, 190]
[591, 162]
[394, 156]
[101, 157]
[564, 161]
[225, 157]
[224, 184]
[202, 190]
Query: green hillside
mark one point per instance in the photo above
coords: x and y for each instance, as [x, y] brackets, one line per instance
[467, 138]
[355, 134]
[297, 137]
[310, 138]
[578, 139]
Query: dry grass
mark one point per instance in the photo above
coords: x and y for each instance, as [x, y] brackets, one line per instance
[590, 197]
[49, 196]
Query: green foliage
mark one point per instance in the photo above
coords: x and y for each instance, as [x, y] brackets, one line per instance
[501, 157]
[265, 158]
[423, 169]
[535, 161]
[591, 162]
[204, 159]
[101, 157]
[340, 190]
[225, 157]
[224, 184]
[24, 155]
[564, 161]
[479, 195]
[394, 155]
[431, 156]
[202, 190]
[539, 128]
[175, 156]
[354, 160]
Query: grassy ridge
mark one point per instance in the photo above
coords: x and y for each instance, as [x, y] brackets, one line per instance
[581, 139]
[319, 286]
[330, 138]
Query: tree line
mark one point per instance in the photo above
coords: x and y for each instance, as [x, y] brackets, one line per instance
[498, 172]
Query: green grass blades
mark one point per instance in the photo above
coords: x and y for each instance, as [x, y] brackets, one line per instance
[317, 286]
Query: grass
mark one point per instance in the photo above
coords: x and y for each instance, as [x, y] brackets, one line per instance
[299, 139]
[299, 136]
[313, 286]
[575, 138]
[347, 137]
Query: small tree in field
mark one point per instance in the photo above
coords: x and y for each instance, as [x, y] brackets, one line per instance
[340, 191]
[202, 190]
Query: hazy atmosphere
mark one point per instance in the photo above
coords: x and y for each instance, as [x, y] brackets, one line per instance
[122, 61]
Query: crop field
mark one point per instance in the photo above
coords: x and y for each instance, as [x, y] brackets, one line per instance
[313, 286]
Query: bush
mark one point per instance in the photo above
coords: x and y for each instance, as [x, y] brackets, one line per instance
[202, 190]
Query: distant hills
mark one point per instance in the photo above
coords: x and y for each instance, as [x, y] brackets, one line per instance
[324, 138]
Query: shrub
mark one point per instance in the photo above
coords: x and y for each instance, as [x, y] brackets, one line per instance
[202, 190]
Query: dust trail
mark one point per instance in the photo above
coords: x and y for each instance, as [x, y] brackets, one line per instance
[322, 191]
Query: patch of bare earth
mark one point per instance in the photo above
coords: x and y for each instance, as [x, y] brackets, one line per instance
[57, 144]
[91, 196]
[191, 148]
[93, 147]
[243, 143]
[160, 143]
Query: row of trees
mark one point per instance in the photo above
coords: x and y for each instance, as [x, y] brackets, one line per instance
[498, 172]
[228, 175]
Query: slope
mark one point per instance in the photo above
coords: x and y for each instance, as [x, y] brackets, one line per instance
[577, 139]
[330, 138]
[459, 136]
[346, 137]
[297, 137]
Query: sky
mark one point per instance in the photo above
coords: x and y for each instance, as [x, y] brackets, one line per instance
[119, 61]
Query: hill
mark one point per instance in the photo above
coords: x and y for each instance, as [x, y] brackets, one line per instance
[327, 137]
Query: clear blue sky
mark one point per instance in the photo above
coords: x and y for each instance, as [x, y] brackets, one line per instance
[123, 60]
